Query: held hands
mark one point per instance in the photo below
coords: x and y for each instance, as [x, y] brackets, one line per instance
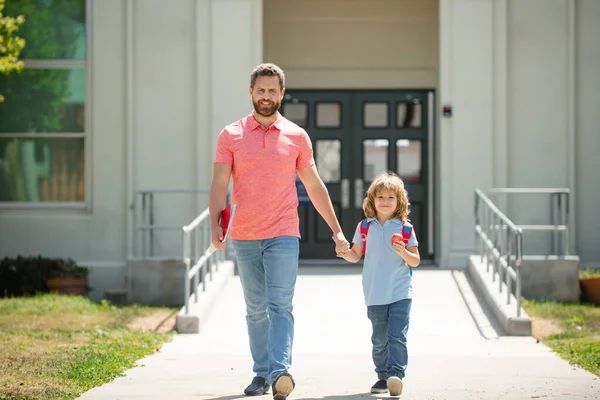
[341, 244]
[217, 238]
[343, 249]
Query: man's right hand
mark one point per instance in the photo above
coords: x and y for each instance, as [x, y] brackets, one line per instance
[217, 238]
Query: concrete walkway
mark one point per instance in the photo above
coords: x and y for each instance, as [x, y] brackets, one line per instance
[454, 351]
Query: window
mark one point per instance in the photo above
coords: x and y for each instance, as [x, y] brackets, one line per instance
[328, 115]
[43, 130]
[410, 162]
[297, 113]
[375, 115]
[408, 115]
[329, 159]
[375, 158]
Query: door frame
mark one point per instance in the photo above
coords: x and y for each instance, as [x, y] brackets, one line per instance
[430, 214]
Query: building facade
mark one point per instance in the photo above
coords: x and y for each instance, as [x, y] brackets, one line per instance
[451, 94]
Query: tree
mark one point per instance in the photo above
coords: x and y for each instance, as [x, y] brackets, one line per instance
[10, 45]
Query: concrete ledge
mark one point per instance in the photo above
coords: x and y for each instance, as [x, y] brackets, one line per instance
[551, 278]
[155, 281]
[506, 314]
[199, 311]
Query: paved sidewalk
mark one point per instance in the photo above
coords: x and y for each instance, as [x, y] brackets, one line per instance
[454, 351]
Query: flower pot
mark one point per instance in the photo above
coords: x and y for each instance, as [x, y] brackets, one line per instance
[591, 289]
[68, 285]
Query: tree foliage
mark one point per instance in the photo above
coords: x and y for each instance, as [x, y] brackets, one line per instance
[10, 44]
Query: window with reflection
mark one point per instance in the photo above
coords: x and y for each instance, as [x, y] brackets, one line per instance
[43, 116]
[297, 113]
[410, 161]
[375, 158]
[329, 159]
[375, 115]
[329, 115]
[408, 115]
[53, 29]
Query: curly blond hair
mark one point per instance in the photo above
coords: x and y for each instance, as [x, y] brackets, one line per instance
[391, 182]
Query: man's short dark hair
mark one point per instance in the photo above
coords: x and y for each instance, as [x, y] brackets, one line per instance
[267, 69]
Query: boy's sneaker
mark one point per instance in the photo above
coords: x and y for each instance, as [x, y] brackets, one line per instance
[283, 386]
[394, 385]
[379, 387]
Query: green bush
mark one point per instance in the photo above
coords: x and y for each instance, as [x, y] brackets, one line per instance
[24, 276]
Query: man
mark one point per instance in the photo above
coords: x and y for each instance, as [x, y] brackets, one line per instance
[263, 152]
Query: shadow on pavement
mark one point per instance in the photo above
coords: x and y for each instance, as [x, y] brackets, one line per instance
[336, 268]
[341, 397]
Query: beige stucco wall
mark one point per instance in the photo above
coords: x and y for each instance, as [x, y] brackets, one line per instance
[466, 157]
[505, 66]
[587, 128]
[184, 94]
[353, 44]
[553, 134]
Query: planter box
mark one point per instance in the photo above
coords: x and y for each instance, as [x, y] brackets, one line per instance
[68, 285]
[590, 288]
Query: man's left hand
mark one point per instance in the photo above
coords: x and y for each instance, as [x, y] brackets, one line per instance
[341, 244]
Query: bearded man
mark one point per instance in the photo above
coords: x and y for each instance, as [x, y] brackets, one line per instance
[263, 152]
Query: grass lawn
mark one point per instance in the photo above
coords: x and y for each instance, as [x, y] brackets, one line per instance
[58, 347]
[572, 330]
[589, 273]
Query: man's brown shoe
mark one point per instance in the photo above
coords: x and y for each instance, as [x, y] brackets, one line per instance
[283, 386]
[395, 386]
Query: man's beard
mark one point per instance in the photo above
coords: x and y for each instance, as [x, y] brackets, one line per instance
[266, 110]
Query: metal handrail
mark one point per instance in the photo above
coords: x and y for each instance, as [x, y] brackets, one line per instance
[195, 258]
[500, 244]
[144, 224]
[559, 217]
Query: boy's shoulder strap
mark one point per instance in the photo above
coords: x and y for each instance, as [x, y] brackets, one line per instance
[364, 230]
[406, 231]
[406, 234]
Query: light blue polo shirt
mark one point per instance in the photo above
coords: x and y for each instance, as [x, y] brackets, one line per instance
[386, 277]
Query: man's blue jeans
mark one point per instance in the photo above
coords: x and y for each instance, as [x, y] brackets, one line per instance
[268, 270]
[390, 326]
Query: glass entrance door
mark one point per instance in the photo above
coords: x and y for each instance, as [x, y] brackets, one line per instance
[356, 135]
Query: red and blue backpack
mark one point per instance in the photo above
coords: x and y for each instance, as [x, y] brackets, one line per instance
[364, 230]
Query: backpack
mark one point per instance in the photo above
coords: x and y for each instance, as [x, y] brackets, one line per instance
[364, 229]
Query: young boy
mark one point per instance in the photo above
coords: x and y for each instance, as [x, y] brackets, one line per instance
[391, 247]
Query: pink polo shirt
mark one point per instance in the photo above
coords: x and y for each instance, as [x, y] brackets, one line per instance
[264, 163]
